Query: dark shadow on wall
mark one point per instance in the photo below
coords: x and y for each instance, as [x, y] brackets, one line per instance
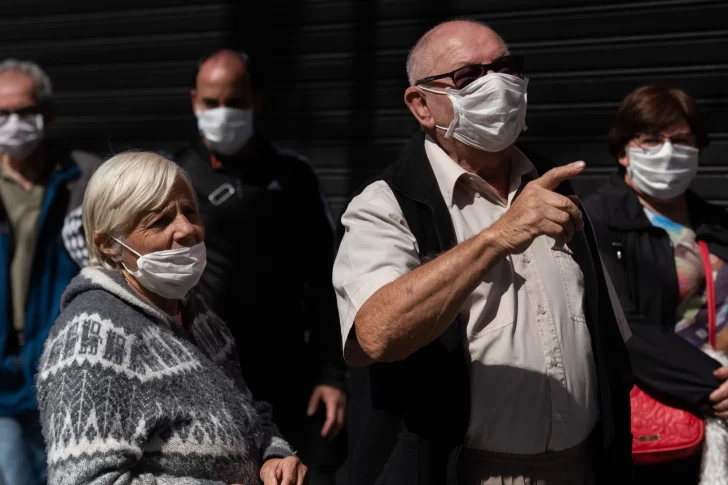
[367, 127]
[362, 102]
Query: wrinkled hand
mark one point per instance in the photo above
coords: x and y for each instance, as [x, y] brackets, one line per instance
[719, 397]
[539, 211]
[283, 471]
[335, 402]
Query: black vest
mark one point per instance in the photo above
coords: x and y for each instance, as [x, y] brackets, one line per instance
[408, 419]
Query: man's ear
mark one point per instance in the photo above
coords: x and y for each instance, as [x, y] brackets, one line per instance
[417, 104]
[193, 99]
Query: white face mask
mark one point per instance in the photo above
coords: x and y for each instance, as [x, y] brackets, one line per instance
[489, 113]
[227, 129]
[20, 136]
[170, 273]
[664, 171]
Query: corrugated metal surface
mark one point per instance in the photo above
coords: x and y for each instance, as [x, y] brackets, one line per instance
[335, 70]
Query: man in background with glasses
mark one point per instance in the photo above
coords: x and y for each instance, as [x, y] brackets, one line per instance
[488, 348]
[270, 250]
[41, 248]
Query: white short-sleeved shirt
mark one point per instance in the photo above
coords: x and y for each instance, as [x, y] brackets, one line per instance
[532, 372]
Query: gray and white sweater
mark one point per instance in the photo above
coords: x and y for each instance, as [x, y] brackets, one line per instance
[129, 397]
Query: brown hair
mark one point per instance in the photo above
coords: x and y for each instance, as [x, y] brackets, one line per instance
[649, 110]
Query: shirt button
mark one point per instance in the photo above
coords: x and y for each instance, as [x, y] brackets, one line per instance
[558, 417]
[526, 259]
[541, 310]
[477, 194]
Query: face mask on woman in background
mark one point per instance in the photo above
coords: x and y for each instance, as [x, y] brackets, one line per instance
[663, 171]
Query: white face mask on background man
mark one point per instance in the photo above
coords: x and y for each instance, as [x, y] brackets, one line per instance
[21, 135]
[171, 273]
[227, 129]
[663, 171]
[489, 113]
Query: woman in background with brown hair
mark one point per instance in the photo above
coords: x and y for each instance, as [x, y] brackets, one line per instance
[649, 225]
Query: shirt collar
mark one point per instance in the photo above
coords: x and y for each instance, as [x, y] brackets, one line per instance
[448, 172]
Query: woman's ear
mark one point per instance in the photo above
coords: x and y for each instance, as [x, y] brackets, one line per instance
[108, 247]
[623, 159]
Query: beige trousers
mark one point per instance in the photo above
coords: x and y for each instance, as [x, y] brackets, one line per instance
[568, 467]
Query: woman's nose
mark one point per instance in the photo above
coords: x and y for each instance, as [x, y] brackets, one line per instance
[185, 233]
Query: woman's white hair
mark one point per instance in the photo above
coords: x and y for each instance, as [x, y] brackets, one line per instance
[121, 189]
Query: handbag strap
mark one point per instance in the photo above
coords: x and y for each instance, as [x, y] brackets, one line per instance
[710, 289]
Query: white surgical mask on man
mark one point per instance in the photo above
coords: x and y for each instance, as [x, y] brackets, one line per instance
[21, 135]
[664, 171]
[489, 113]
[227, 129]
[170, 273]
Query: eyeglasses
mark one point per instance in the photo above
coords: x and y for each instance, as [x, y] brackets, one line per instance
[463, 76]
[22, 112]
[648, 141]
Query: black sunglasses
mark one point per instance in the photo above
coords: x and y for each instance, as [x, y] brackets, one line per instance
[463, 76]
[25, 111]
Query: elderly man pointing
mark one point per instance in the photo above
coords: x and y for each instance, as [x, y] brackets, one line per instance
[472, 300]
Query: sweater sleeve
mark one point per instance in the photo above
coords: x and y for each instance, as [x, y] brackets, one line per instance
[270, 441]
[222, 351]
[90, 445]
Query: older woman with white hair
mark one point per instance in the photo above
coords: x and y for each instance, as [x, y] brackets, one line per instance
[139, 383]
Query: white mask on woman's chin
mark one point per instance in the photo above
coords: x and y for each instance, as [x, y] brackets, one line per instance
[171, 273]
[489, 113]
[664, 171]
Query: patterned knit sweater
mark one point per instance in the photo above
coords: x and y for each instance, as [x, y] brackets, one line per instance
[128, 396]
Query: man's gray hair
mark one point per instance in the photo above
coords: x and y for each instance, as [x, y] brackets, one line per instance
[42, 87]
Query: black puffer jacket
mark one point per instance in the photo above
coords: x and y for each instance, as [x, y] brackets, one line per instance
[640, 259]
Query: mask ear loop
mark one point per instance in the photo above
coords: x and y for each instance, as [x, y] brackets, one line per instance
[449, 129]
[122, 263]
[127, 247]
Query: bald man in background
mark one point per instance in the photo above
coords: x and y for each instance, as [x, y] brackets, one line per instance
[270, 249]
[486, 345]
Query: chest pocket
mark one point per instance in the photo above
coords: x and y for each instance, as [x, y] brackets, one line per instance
[494, 299]
[572, 280]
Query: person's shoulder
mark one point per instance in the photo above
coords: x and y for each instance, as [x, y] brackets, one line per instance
[375, 194]
[188, 153]
[290, 162]
[88, 162]
[709, 212]
[600, 204]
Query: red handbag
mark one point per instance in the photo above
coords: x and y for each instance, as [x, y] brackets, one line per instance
[662, 433]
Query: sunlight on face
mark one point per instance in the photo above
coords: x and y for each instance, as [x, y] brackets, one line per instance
[176, 224]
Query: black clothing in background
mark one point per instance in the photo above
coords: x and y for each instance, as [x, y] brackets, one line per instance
[640, 259]
[270, 250]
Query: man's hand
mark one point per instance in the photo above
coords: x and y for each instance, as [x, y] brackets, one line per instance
[719, 397]
[539, 211]
[285, 471]
[335, 402]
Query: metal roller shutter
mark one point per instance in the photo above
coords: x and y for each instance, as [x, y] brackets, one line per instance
[335, 71]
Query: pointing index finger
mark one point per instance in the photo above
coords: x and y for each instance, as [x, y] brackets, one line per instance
[551, 179]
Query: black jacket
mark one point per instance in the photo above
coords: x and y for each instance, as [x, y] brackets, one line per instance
[408, 419]
[641, 261]
[270, 249]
